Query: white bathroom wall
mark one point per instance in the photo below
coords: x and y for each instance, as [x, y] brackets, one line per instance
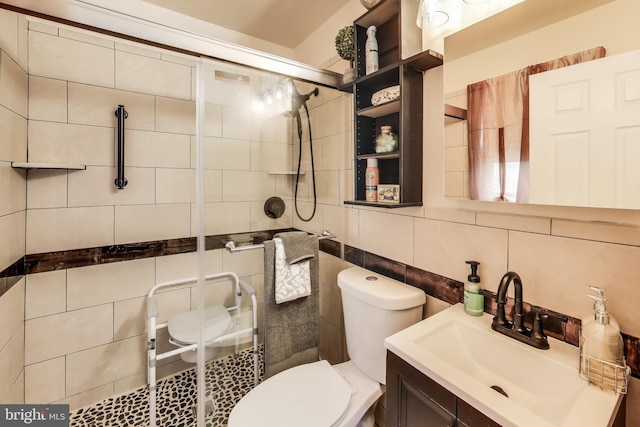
[13, 148]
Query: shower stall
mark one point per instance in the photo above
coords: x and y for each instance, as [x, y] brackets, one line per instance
[201, 161]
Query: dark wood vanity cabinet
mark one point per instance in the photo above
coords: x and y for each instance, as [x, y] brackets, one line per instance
[398, 37]
[415, 400]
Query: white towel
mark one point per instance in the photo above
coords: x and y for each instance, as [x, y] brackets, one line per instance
[293, 281]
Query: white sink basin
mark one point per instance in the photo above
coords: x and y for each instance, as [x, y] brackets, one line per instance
[464, 355]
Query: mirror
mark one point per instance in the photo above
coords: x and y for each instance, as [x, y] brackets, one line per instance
[534, 32]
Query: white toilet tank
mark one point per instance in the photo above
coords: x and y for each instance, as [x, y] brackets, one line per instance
[374, 308]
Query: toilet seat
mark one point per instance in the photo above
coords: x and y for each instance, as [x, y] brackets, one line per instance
[183, 327]
[310, 395]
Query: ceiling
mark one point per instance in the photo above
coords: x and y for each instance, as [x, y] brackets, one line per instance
[283, 22]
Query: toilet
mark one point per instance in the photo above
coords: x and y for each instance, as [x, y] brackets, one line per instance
[321, 395]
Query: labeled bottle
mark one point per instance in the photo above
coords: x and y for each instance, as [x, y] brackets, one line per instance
[601, 346]
[473, 299]
[371, 180]
[371, 51]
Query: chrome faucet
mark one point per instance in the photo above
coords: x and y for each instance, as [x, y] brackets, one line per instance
[516, 329]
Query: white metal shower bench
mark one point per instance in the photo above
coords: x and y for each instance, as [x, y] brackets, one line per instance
[153, 327]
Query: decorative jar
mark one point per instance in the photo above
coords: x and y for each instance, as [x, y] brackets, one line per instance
[387, 141]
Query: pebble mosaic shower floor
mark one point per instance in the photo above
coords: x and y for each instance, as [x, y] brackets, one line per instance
[227, 380]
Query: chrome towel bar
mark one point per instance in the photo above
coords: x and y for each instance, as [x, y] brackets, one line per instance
[231, 245]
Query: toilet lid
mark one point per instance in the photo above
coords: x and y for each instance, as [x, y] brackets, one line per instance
[183, 327]
[310, 395]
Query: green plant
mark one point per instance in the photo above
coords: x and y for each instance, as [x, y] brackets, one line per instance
[345, 43]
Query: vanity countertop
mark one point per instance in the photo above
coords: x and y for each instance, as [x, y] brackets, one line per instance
[465, 356]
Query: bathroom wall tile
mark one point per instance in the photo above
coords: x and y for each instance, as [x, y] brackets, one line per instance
[285, 186]
[454, 184]
[12, 189]
[104, 364]
[227, 92]
[530, 224]
[65, 333]
[257, 282]
[454, 134]
[11, 312]
[271, 129]
[46, 294]
[260, 221]
[336, 220]
[328, 187]
[42, 26]
[177, 58]
[13, 139]
[387, 235]
[224, 154]
[9, 32]
[213, 120]
[305, 209]
[47, 99]
[175, 185]
[147, 75]
[245, 263]
[270, 156]
[222, 218]
[95, 187]
[62, 143]
[434, 306]
[456, 159]
[155, 149]
[130, 383]
[44, 381]
[334, 152]
[151, 222]
[96, 106]
[217, 292]
[86, 37]
[182, 266]
[12, 228]
[556, 270]
[329, 346]
[603, 232]
[11, 368]
[47, 188]
[237, 122]
[71, 60]
[175, 116]
[451, 215]
[109, 282]
[246, 186]
[138, 49]
[14, 85]
[87, 398]
[443, 247]
[325, 119]
[129, 316]
[74, 228]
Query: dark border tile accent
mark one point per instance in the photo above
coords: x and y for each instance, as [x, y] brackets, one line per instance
[354, 255]
[386, 267]
[331, 247]
[15, 269]
[632, 353]
[435, 285]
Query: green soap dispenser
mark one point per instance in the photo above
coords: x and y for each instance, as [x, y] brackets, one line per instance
[473, 299]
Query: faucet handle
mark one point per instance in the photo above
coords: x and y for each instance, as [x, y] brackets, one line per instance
[538, 330]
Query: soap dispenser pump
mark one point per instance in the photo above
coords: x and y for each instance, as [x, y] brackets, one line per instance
[601, 345]
[473, 299]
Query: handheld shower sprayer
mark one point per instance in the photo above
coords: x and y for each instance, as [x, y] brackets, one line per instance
[299, 100]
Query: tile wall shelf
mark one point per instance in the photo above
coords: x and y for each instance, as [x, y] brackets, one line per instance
[30, 165]
[454, 114]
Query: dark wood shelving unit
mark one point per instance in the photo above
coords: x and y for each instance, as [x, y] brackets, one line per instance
[404, 115]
